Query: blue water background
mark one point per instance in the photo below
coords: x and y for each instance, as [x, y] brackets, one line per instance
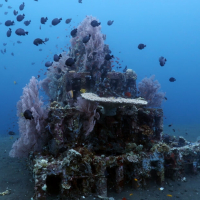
[168, 28]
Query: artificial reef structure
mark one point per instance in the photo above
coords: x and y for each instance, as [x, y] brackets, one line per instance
[96, 132]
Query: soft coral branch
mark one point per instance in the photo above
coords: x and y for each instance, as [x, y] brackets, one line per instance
[32, 131]
[148, 89]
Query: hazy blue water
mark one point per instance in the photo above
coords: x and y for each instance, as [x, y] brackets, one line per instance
[168, 28]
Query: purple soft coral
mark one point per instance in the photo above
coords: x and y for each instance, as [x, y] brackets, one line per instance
[148, 89]
[32, 136]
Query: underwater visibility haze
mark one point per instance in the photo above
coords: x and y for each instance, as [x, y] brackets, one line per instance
[82, 60]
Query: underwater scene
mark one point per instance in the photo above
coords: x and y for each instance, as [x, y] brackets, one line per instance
[99, 100]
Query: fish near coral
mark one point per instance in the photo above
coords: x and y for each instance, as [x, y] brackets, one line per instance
[74, 32]
[70, 61]
[21, 7]
[43, 20]
[83, 90]
[20, 17]
[15, 12]
[162, 61]
[21, 31]
[9, 32]
[27, 22]
[110, 22]
[70, 94]
[141, 46]
[68, 21]
[38, 41]
[57, 57]
[169, 195]
[56, 21]
[127, 94]
[108, 57]
[28, 114]
[48, 64]
[172, 79]
[86, 38]
[9, 23]
[94, 23]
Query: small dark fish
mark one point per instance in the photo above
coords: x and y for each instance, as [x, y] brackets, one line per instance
[13, 44]
[32, 63]
[86, 38]
[1, 5]
[110, 22]
[15, 12]
[70, 62]
[162, 61]
[9, 32]
[12, 54]
[94, 23]
[141, 46]
[74, 32]
[173, 130]
[56, 21]
[27, 22]
[40, 49]
[2, 51]
[108, 57]
[28, 114]
[19, 42]
[172, 79]
[170, 125]
[38, 41]
[20, 17]
[11, 133]
[124, 70]
[21, 32]
[56, 57]
[67, 21]
[80, 1]
[43, 20]
[40, 27]
[4, 44]
[21, 7]
[186, 133]
[9, 7]
[48, 64]
[165, 98]
[9, 23]
[46, 39]
[5, 13]
[0, 23]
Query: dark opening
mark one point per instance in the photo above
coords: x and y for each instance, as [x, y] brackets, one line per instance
[110, 174]
[53, 184]
[154, 163]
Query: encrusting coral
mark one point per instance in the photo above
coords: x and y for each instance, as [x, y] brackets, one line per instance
[89, 110]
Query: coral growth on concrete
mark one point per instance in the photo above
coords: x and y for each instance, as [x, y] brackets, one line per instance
[96, 133]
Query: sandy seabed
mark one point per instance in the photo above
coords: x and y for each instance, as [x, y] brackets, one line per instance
[15, 176]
